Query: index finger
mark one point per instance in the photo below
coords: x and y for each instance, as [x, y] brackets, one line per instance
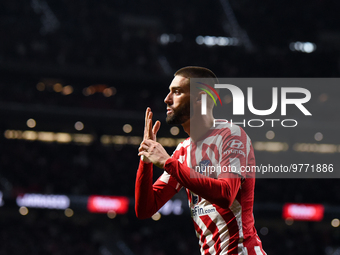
[146, 124]
[150, 134]
[147, 115]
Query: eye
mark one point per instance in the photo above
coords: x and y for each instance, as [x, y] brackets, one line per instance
[177, 92]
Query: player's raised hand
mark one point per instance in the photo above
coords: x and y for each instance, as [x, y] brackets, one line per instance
[154, 152]
[150, 132]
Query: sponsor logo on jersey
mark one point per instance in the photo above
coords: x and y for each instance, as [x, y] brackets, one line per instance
[236, 144]
[235, 147]
[202, 210]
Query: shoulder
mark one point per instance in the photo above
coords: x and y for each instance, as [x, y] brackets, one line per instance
[183, 144]
[228, 129]
[181, 148]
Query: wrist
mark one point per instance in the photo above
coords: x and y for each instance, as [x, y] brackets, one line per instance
[165, 162]
[168, 164]
[145, 160]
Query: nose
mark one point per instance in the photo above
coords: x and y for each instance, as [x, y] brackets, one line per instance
[168, 99]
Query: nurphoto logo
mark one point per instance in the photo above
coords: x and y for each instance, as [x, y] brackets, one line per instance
[300, 97]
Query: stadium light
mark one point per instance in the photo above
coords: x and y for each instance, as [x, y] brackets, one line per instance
[318, 136]
[217, 40]
[31, 123]
[335, 223]
[270, 135]
[174, 131]
[79, 125]
[164, 39]
[68, 212]
[157, 216]
[305, 47]
[23, 210]
[1, 200]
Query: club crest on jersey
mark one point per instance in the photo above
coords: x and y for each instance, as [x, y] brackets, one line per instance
[194, 198]
[203, 165]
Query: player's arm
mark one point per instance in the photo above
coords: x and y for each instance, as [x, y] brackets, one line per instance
[221, 191]
[149, 198]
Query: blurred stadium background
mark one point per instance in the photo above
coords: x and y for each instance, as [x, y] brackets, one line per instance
[76, 77]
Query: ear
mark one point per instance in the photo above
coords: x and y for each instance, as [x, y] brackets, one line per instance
[199, 96]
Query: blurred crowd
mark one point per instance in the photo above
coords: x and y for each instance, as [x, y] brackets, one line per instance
[50, 232]
[123, 37]
[40, 234]
[52, 168]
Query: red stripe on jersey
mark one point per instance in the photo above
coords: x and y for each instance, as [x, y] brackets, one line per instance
[193, 155]
[224, 145]
[214, 148]
[231, 222]
[202, 239]
[215, 232]
[188, 194]
[262, 248]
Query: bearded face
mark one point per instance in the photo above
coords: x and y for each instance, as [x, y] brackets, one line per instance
[179, 115]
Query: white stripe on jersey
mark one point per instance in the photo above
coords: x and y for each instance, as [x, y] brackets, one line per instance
[242, 250]
[182, 144]
[223, 231]
[186, 142]
[210, 153]
[208, 237]
[189, 156]
[258, 250]
[234, 129]
[217, 139]
[184, 151]
[236, 208]
[248, 148]
[165, 177]
[181, 159]
[245, 251]
[235, 165]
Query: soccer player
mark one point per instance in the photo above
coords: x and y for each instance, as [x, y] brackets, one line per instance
[221, 202]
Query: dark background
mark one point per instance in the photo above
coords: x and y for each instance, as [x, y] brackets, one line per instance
[128, 51]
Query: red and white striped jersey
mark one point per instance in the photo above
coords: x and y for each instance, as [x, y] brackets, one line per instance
[220, 191]
[221, 229]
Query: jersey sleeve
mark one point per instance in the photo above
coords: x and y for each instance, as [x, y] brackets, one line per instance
[235, 149]
[149, 198]
[221, 192]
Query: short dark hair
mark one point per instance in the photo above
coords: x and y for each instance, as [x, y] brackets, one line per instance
[199, 72]
[195, 72]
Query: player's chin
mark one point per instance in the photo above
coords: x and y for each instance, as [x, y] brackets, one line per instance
[170, 118]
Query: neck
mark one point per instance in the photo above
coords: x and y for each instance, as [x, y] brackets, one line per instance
[198, 125]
